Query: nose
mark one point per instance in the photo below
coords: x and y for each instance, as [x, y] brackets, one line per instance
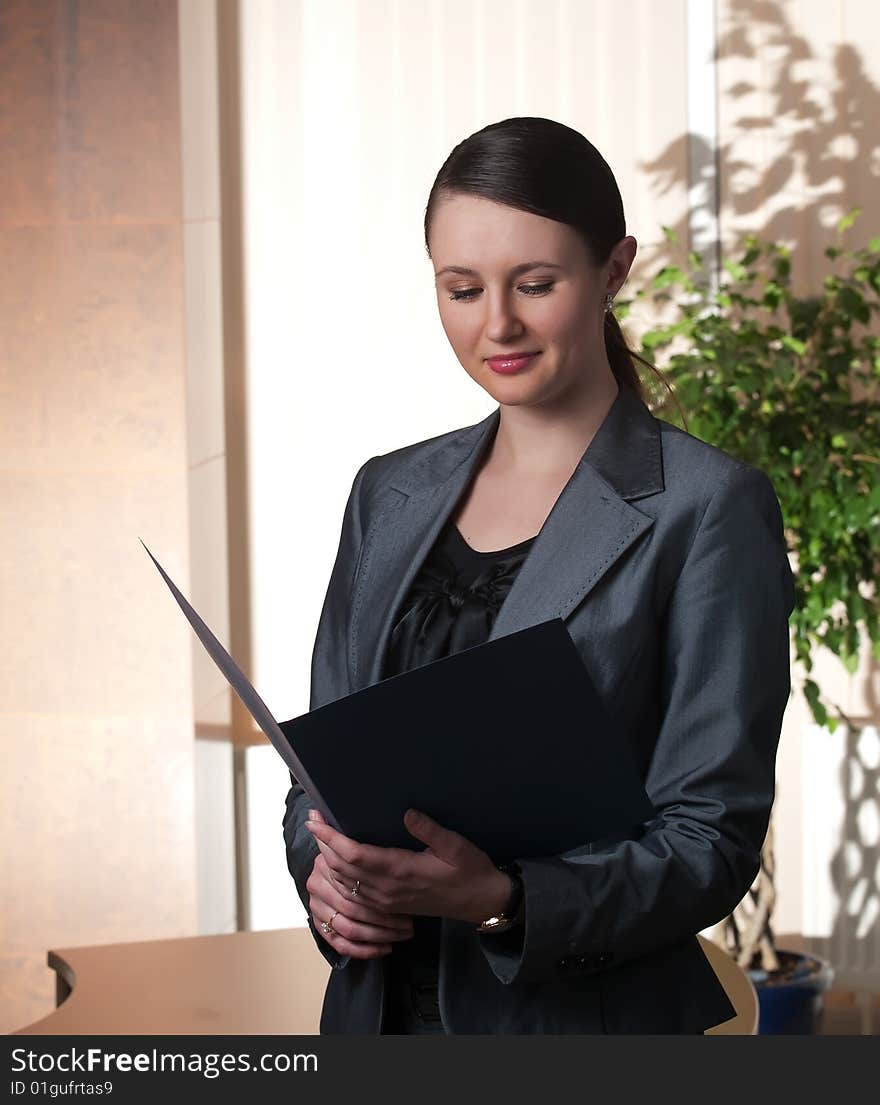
[502, 322]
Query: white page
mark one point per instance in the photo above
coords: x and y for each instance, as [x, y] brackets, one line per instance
[257, 708]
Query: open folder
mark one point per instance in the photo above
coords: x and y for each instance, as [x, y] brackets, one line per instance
[507, 743]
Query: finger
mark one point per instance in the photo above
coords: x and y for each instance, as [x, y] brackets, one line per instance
[361, 857]
[316, 815]
[346, 875]
[341, 883]
[349, 947]
[358, 951]
[346, 946]
[344, 872]
[390, 923]
[350, 929]
[321, 886]
[360, 933]
[446, 844]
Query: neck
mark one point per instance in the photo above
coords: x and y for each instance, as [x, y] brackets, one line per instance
[545, 439]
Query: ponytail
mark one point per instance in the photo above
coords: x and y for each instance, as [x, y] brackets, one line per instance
[621, 359]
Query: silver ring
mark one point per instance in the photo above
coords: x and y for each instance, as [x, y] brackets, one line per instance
[356, 889]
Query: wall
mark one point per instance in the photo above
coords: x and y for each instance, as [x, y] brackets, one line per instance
[96, 795]
[207, 455]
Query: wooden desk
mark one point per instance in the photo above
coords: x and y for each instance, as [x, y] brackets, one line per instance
[243, 983]
[248, 983]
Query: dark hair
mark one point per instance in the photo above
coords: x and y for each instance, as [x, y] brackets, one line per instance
[549, 169]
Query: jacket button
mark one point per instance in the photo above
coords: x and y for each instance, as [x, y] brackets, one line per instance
[563, 964]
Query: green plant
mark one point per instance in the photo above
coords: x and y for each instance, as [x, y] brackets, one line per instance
[787, 382]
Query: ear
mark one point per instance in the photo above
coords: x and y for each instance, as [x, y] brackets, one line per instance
[620, 262]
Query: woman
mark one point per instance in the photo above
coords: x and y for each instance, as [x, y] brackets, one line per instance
[665, 557]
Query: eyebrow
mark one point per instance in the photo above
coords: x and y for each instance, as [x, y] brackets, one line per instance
[526, 266]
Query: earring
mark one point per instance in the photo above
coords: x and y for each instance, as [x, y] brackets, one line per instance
[609, 302]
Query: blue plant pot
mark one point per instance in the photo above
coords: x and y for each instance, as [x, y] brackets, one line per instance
[792, 1007]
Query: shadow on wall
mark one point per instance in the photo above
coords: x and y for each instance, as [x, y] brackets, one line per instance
[799, 141]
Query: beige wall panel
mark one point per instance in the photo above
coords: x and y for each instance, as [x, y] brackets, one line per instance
[91, 347]
[95, 96]
[209, 588]
[95, 630]
[206, 438]
[198, 109]
[200, 86]
[96, 717]
[110, 800]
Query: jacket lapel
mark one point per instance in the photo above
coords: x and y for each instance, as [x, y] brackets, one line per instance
[590, 526]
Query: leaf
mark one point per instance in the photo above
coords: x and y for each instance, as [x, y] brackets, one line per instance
[669, 274]
[652, 338]
[738, 271]
[782, 268]
[811, 694]
[848, 219]
[794, 345]
[669, 234]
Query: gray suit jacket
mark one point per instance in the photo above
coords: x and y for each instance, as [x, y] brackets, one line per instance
[666, 558]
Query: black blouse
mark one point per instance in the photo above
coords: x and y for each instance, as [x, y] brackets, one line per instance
[451, 605]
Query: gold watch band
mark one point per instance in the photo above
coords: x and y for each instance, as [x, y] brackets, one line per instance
[507, 918]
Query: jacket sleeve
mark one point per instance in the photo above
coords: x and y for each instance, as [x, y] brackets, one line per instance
[329, 653]
[726, 679]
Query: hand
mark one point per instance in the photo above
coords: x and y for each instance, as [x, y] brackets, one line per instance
[360, 930]
[452, 877]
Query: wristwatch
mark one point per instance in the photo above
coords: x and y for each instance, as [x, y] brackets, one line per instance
[511, 912]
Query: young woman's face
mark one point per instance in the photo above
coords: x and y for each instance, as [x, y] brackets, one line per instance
[532, 288]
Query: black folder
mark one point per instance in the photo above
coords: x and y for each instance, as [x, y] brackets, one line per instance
[507, 742]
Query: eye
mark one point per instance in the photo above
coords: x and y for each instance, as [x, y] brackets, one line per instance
[467, 294]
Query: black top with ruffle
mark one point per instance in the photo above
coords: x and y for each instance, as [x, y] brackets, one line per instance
[451, 605]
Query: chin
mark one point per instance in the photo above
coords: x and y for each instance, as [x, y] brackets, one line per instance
[514, 391]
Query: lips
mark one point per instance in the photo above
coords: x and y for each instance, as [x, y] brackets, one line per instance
[511, 362]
